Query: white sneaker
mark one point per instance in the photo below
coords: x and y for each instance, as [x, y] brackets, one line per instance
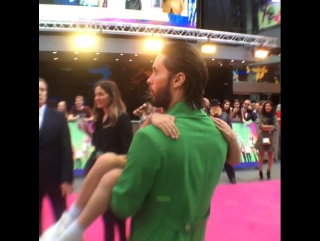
[57, 229]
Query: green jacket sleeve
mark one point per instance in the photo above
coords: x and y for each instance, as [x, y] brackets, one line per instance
[137, 178]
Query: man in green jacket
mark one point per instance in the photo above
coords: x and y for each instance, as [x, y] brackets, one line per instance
[167, 184]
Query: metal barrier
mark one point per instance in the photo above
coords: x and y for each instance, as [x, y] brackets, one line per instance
[136, 126]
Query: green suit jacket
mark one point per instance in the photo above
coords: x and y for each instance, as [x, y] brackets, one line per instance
[167, 184]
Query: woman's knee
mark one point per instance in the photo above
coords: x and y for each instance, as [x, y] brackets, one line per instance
[261, 154]
[270, 154]
[111, 160]
[110, 179]
[107, 160]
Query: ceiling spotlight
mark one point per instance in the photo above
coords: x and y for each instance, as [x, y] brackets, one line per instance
[232, 60]
[95, 59]
[54, 52]
[130, 59]
[151, 61]
[220, 64]
[75, 58]
[75, 52]
[117, 59]
[212, 59]
[97, 53]
[55, 58]
[121, 54]
[85, 41]
[261, 52]
[153, 44]
[243, 61]
[135, 55]
[208, 48]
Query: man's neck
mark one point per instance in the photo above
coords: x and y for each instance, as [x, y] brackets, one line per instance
[173, 102]
[40, 105]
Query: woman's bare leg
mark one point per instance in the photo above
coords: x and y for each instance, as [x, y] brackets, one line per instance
[270, 160]
[97, 204]
[100, 199]
[104, 164]
[261, 155]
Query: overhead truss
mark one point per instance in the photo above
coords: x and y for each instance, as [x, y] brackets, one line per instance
[135, 29]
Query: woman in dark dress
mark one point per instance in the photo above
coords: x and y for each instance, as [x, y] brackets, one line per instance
[112, 133]
[267, 137]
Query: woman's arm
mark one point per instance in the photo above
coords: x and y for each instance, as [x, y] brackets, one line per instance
[275, 123]
[163, 122]
[137, 112]
[234, 153]
[264, 127]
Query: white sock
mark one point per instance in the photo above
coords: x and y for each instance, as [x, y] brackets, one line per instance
[74, 211]
[72, 233]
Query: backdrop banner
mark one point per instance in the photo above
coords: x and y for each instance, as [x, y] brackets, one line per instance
[247, 136]
[82, 148]
[269, 15]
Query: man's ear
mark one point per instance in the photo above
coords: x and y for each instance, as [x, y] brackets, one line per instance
[178, 80]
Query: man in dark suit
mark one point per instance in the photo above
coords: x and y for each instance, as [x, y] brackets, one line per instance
[55, 156]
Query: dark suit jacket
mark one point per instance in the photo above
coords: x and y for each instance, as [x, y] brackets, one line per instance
[55, 150]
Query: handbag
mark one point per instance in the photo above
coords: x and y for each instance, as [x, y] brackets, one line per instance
[266, 138]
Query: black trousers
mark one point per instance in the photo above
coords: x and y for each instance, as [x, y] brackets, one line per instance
[230, 171]
[109, 221]
[244, 156]
[248, 157]
[58, 203]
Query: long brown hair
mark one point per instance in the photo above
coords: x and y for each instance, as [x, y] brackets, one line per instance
[223, 109]
[115, 104]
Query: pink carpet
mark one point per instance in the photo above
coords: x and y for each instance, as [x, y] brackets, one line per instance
[242, 212]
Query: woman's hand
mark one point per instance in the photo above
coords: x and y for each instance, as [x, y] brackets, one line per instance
[225, 129]
[166, 124]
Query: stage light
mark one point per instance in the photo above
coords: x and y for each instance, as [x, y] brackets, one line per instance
[153, 44]
[208, 48]
[261, 54]
[85, 41]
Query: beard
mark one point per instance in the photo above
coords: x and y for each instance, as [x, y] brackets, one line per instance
[162, 98]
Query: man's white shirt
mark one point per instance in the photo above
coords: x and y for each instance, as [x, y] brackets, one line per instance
[41, 114]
